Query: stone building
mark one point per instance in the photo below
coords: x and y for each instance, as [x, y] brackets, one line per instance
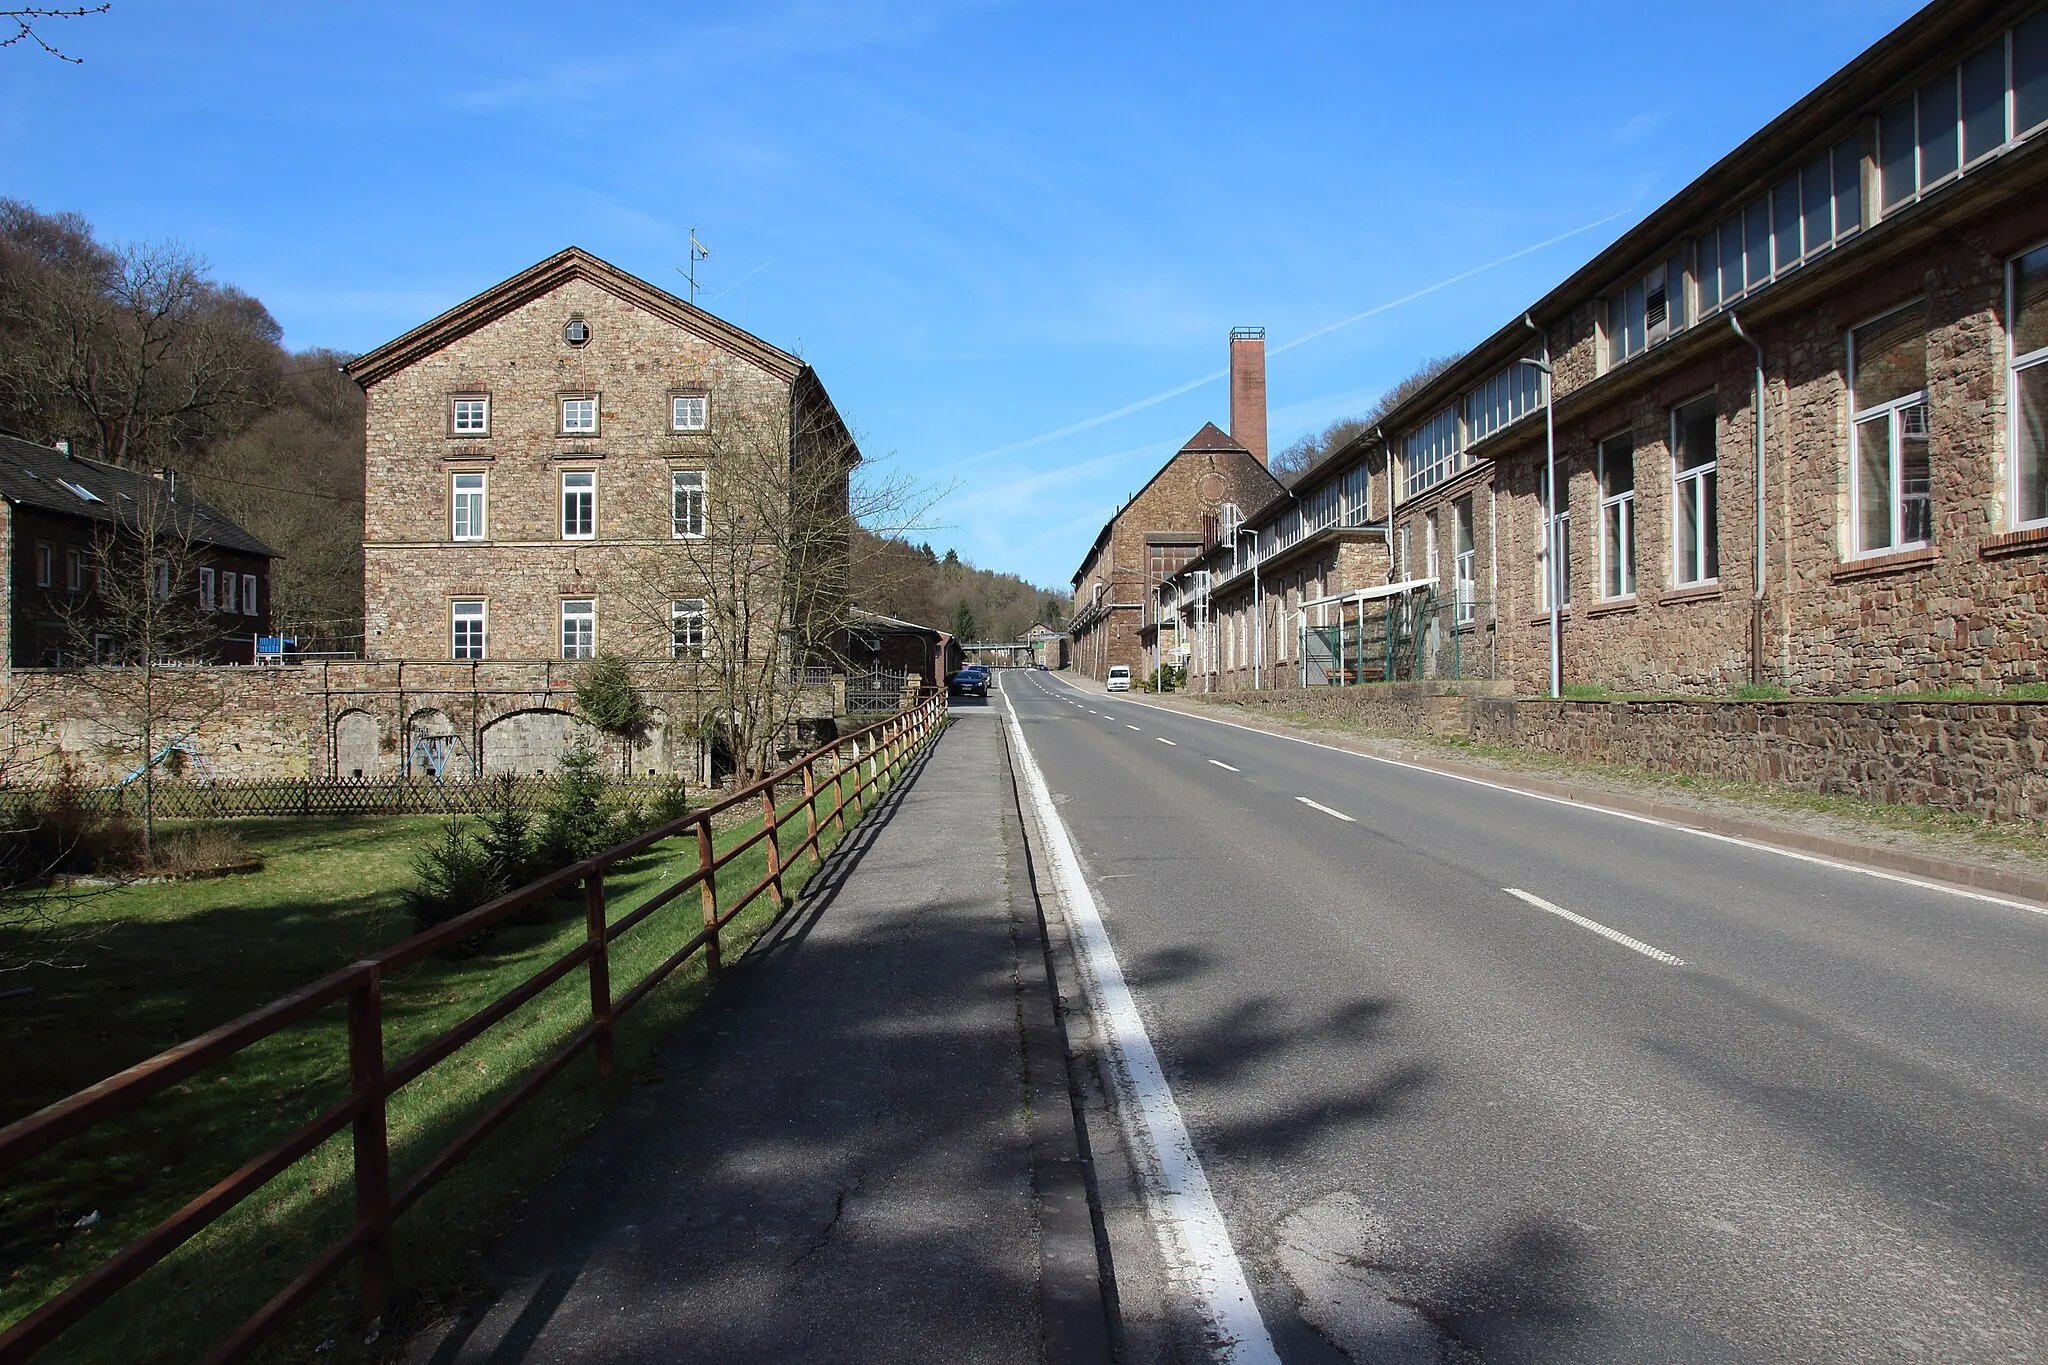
[1847, 314]
[1169, 521]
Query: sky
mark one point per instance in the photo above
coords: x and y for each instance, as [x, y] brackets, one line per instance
[1012, 238]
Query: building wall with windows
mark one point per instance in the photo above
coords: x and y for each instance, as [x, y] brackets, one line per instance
[543, 458]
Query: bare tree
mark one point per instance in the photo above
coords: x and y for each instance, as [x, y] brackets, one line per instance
[1313, 449]
[25, 21]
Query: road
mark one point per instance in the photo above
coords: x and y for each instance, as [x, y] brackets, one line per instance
[1479, 1076]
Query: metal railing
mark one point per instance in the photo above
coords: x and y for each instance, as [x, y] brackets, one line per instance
[372, 1081]
[1415, 637]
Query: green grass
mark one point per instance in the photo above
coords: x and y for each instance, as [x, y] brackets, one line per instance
[164, 962]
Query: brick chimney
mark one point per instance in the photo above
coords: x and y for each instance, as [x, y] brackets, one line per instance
[1248, 389]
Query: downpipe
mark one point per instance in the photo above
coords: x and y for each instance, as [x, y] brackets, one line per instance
[1756, 600]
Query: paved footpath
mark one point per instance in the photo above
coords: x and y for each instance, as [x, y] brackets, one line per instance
[848, 1156]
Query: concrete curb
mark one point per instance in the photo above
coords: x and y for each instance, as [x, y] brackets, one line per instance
[1927, 867]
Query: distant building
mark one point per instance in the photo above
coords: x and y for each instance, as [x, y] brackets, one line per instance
[878, 642]
[59, 512]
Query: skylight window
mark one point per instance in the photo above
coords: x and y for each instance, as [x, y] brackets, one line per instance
[82, 491]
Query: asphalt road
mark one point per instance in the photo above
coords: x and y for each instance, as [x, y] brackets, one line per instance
[1444, 1122]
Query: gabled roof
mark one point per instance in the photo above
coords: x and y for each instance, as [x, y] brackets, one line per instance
[1212, 437]
[535, 281]
[876, 620]
[34, 475]
[1210, 440]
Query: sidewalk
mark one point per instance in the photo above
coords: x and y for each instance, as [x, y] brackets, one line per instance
[844, 1156]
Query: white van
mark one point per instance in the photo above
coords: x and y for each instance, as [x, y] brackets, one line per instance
[1119, 678]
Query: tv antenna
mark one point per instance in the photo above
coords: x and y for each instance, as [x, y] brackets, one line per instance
[698, 252]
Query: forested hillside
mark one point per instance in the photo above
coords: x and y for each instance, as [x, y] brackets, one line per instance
[913, 583]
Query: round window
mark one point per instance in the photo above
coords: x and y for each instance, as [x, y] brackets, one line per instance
[577, 332]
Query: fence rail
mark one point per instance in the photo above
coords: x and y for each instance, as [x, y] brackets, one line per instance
[183, 799]
[1411, 638]
[871, 757]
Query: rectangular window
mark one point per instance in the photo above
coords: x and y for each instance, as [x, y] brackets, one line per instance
[1695, 509]
[1431, 451]
[1646, 311]
[1464, 562]
[579, 628]
[686, 627]
[579, 416]
[160, 580]
[469, 416]
[249, 594]
[1508, 396]
[230, 599]
[1618, 517]
[1888, 485]
[1560, 540]
[2027, 329]
[686, 504]
[74, 569]
[1939, 132]
[1984, 100]
[1401, 539]
[466, 627]
[1786, 215]
[579, 504]
[206, 589]
[689, 412]
[466, 507]
[46, 565]
[2030, 74]
[1803, 215]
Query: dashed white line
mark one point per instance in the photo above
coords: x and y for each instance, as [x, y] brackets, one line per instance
[1130, 727]
[1623, 939]
[1221, 764]
[1317, 805]
[1164, 740]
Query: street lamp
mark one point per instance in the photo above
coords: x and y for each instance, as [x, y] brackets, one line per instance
[1258, 610]
[1553, 576]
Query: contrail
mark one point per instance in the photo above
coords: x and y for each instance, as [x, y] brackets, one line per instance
[740, 281]
[1214, 375]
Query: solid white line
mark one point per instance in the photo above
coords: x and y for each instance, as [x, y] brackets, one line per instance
[1326, 810]
[1190, 1227]
[1623, 939]
[1164, 740]
[1985, 896]
[1221, 764]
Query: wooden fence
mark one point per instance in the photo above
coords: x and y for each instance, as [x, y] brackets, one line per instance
[188, 799]
[870, 757]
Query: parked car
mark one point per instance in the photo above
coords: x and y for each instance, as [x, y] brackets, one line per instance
[1119, 679]
[971, 679]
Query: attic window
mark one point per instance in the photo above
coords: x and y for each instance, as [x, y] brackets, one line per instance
[577, 333]
[83, 492]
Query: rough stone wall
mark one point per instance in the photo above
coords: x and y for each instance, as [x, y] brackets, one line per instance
[632, 363]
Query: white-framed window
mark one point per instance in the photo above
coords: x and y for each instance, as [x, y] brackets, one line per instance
[1963, 114]
[579, 628]
[1429, 547]
[470, 415]
[579, 504]
[205, 589]
[1401, 544]
[46, 565]
[2027, 343]
[466, 505]
[686, 627]
[1510, 395]
[230, 596]
[1560, 540]
[1430, 452]
[466, 628]
[686, 503]
[689, 412]
[1645, 311]
[1803, 215]
[579, 415]
[1618, 517]
[1889, 504]
[1695, 494]
[1464, 561]
[248, 594]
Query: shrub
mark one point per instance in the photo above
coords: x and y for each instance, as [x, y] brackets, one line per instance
[210, 848]
[451, 877]
[577, 820]
[54, 831]
[670, 804]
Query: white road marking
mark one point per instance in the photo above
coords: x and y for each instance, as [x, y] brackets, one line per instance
[1164, 740]
[1317, 805]
[1221, 764]
[1192, 1235]
[1130, 727]
[1623, 939]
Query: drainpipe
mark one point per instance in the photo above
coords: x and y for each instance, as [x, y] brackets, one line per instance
[1756, 601]
[1388, 452]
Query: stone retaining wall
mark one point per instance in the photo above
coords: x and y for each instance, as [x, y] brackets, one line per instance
[1984, 758]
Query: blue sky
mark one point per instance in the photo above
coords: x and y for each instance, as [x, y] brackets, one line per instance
[984, 223]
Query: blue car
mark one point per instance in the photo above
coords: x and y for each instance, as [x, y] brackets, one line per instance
[971, 680]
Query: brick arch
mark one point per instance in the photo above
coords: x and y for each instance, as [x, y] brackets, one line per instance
[355, 742]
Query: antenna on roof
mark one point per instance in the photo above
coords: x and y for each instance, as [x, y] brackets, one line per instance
[698, 252]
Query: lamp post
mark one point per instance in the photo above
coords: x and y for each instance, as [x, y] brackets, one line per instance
[1258, 612]
[1553, 577]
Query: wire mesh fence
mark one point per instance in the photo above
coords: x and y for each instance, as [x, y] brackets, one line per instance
[184, 799]
[1413, 638]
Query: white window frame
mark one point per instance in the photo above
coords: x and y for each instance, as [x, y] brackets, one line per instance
[681, 525]
[205, 588]
[2015, 366]
[249, 595]
[46, 564]
[689, 412]
[459, 616]
[688, 631]
[1621, 550]
[1464, 560]
[583, 611]
[1697, 476]
[1897, 415]
[468, 510]
[473, 406]
[579, 406]
[584, 493]
[74, 569]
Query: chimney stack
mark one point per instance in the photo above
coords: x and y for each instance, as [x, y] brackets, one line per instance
[1248, 389]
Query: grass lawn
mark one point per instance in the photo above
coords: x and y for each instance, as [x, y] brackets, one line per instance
[164, 962]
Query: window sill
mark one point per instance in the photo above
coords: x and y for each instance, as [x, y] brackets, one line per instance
[468, 456]
[1691, 592]
[1876, 566]
[1612, 605]
[584, 454]
[1541, 620]
[2019, 542]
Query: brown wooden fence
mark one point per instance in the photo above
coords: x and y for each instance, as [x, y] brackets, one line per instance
[185, 799]
[870, 757]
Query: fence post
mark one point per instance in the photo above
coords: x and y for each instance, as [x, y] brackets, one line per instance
[714, 961]
[372, 1152]
[811, 809]
[839, 789]
[600, 968]
[773, 842]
